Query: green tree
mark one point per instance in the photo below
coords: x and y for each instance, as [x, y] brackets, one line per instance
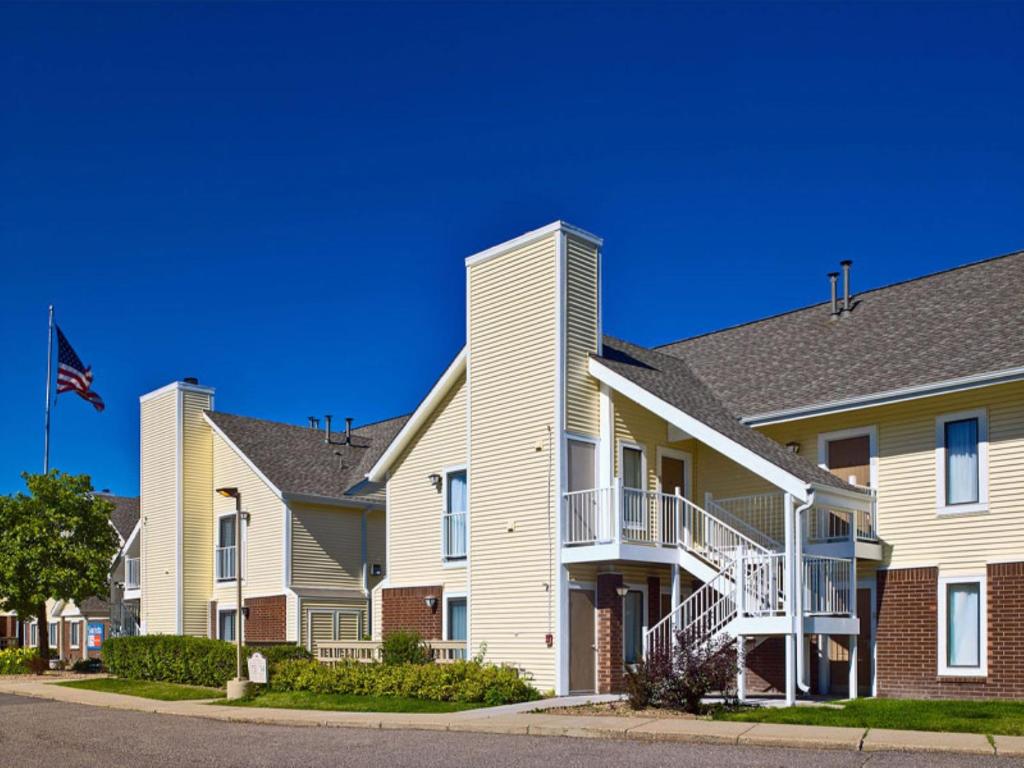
[55, 542]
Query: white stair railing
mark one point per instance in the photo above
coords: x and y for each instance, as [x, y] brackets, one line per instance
[705, 613]
[758, 535]
[760, 512]
[712, 538]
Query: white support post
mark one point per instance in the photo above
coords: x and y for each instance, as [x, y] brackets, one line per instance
[679, 515]
[853, 668]
[791, 670]
[741, 582]
[620, 510]
[741, 668]
[676, 596]
[824, 670]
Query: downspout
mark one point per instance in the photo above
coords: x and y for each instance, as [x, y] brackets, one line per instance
[798, 602]
[364, 555]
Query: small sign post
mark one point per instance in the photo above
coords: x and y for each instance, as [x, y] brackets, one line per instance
[258, 668]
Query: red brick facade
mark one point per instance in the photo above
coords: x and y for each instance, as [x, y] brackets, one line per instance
[405, 608]
[610, 674]
[267, 620]
[907, 639]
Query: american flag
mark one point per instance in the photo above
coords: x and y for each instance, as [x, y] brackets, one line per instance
[73, 375]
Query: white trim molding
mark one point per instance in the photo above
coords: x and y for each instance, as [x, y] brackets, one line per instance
[446, 596]
[711, 437]
[871, 430]
[419, 417]
[981, 505]
[982, 669]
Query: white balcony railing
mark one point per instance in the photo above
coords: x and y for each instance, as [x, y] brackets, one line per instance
[762, 517]
[826, 585]
[131, 573]
[226, 563]
[602, 515]
[453, 535]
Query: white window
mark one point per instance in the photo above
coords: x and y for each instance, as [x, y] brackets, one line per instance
[453, 521]
[227, 624]
[53, 638]
[961, 462]
[633, 625]
[963, 626]
[33, 635]
[226, 553]
[76, 634]
[633, 471]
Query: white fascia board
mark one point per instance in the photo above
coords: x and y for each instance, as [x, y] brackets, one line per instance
[245, 459]
[742, 455]
[127, 543]
[885, 398]
[529, 237]
[345, 502]
[419, 417]
[175, 386]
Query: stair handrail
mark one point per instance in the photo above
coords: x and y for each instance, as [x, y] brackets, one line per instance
[709, 552]
[735, 521]
[712, 606]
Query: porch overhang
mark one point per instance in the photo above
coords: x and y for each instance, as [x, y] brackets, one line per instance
[800, 489]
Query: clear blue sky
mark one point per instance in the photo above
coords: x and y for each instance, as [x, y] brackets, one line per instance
[278, 198]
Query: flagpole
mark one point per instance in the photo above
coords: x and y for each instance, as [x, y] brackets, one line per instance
[49, 373]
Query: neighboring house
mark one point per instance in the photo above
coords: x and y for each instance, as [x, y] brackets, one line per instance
[840, 487]
[69, 622]
[125, 572]
[312, 549]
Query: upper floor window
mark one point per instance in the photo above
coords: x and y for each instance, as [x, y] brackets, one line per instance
[634, 502]
[453, 527]
[961, 458]
[226, 552]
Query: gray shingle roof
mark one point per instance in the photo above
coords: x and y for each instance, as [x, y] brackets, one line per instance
[671, 380]
[298, 461]
[961, 322]
[125, 514]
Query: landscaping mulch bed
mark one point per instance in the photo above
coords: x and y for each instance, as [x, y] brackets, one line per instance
[619, 709]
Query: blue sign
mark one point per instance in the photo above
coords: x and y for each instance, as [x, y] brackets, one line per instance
[94, 636]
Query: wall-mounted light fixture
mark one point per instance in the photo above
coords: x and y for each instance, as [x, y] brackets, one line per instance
[622, 591]
[376, 569]
[431, 602]
[435, 480]
[793, 447]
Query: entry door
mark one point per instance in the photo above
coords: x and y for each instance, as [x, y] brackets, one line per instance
[585, 523]
[582, 670]
[673, 475]
[839, 652]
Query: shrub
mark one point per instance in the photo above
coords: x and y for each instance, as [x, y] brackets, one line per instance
[87, 665]
[404, 648]
[461, 681]
[680, 677]
[186, 660]
[18, 661]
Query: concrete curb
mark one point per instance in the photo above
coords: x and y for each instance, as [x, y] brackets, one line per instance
[539, 724]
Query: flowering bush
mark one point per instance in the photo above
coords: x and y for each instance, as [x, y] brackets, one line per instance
[17, 661]
[681, 676]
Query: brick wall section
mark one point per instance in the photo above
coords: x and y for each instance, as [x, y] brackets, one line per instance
[766, 667]
[404, 608]
[213, 619]
[610, 677]
[908, 636]
[268, 617]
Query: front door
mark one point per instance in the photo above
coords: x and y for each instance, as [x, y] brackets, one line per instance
[581, 641]
[673, 475]
[839, 652]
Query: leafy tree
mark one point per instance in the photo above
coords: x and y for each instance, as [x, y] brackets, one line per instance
[55, 542]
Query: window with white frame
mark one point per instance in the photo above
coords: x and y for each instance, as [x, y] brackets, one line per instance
[33, 635]
[963, 631]
[227, 624]
[961, 462]
[453, 524]
[632, 470]
[75, 629]
[54, 637]
[226, 553]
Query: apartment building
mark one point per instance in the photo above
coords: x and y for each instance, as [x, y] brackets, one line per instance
[312, 546]
[839, 487]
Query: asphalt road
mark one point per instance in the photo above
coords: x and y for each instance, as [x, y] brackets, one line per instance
[35, 732]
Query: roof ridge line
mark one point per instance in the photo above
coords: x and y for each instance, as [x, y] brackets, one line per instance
[815, 305]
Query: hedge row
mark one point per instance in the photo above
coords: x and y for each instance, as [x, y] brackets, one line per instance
[464, 681]
[16, 661]
[186, 660]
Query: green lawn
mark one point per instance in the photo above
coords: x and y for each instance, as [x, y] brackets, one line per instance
[146, 689]
[348, 703]
[988, 717]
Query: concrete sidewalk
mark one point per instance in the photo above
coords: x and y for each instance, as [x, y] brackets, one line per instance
[540, 724]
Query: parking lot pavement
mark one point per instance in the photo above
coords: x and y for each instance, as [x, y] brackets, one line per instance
[35, 732]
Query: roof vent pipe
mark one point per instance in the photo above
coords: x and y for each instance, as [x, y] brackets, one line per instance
[348, 430]
[313, 422]
[191, 380]
[833, 278]
[846, 264]
[327, 428]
